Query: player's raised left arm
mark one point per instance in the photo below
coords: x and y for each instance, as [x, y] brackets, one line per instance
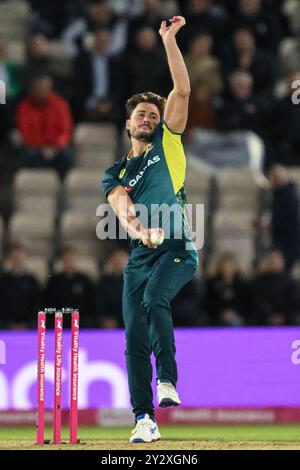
[176, 111]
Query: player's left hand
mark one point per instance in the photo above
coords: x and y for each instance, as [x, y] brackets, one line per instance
[177, 22]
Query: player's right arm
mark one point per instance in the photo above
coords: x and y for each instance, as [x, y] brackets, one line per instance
[124, 209]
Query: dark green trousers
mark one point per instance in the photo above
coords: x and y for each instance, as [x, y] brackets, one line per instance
[151, 279]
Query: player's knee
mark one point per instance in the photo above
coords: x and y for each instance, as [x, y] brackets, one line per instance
[154, 300]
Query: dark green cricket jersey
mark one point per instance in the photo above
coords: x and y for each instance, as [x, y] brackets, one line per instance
[155, 179]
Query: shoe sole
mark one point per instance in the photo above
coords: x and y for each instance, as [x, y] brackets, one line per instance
[168, 402]
[140, 441]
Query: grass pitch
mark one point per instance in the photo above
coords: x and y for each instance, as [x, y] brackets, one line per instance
[217, 437]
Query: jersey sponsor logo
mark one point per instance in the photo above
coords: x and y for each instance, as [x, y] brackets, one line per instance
[140, 175]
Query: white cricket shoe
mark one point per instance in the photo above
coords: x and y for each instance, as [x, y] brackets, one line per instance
[145, 431]
[167, 395]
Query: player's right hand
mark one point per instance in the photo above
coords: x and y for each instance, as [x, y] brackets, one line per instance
[145, 236]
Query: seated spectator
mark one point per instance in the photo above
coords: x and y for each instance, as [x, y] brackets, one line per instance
[45, 123]
[285, 215]
[185, 306]
[202, 65]
[245, 56]
[265, 25]
[239, 118]
[274, 297]
[99, 14]
[151, 17]
[39, 61]
[96, 88]
[202, 109]
[19, 291]
[71, 288]
[109, 292]
[242, 109]
[283, 127]
[146, 52]
[203, 16]
[224, 298]
[50, 18]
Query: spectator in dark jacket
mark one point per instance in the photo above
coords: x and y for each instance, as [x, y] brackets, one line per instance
[109, 292]
[242, 109]
[225, 294]
[19, 291]
[45, 123]
[96, 88]
[99, 14]
[203, 16]
[71, 288]
[138, 72]
[274, 298]
[39, 61]
[265, 25]
[244, 55]
[50, 18]
[151, 17]
[285, 215]
[185, 306]
[284, 126]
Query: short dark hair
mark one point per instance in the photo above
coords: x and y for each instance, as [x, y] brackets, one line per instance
[146, 97]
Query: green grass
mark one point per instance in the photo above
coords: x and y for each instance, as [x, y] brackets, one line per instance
[267, 433]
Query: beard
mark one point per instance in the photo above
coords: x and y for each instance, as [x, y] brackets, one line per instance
[143, 136]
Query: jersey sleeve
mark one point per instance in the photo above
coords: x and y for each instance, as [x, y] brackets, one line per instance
[110, 180]
[175, 156]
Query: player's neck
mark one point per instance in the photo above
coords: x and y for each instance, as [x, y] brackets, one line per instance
[138, 147]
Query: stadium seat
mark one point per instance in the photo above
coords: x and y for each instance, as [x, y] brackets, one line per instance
[125, 142]
[198, 184]
[80, 232]
[85, 264]
[234, 231]
[232, 222]
[16, 52]
[36, 191]
[14, 16]
[95, 145]
[237, 189]
[95, 134]
[83, 191]
[35, 231]
[243, 248]
[61, 62]
[38, 266]
[94, 158]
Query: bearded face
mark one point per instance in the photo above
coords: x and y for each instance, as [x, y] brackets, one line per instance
[143, 122]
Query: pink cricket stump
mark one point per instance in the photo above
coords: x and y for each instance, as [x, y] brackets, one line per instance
[40, 430]
[74, 377]
[57, 378]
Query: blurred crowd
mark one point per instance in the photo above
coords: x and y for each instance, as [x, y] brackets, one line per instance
[224, 297]
[234, 51]
[243, 58]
